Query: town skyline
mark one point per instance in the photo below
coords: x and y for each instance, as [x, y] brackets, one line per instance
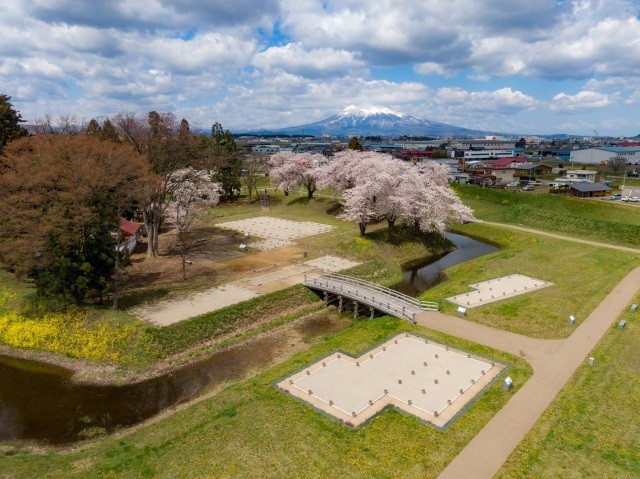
[544, 67]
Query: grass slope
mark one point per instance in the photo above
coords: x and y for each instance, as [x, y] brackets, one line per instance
[582, 276]
[592, 428]
[598, 220]
[251, 430]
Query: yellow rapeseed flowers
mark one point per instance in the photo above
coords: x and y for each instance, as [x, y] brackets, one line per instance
[68, 333]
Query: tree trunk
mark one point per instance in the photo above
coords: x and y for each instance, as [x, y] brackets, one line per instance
[391, 223]
[117, 277]
[151, 219]
[310, 192]
[363, 228]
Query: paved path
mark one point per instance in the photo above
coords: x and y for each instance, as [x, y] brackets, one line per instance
[554, 362]
[561, 237]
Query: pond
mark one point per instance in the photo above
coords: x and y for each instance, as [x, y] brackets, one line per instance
[40, 402]
[419, 278]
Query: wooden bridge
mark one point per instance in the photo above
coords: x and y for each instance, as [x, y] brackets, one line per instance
[360, 295]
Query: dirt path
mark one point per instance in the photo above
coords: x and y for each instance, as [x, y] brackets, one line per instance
[554, 362]
[559, 236]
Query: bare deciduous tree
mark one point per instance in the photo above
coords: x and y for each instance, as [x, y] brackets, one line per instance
[155, 138]
[192, 191]
[253, 169]
[616, 164]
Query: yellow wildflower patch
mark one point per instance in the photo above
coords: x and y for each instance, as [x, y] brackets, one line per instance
[70, 334]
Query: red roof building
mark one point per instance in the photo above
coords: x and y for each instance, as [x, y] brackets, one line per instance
[128, 228]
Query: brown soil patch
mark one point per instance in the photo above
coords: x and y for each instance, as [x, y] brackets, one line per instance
[215, 260]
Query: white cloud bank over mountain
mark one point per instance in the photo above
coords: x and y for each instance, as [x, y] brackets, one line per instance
[541, 66]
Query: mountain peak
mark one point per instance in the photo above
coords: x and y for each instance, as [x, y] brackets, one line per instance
[353, 110]
[380, 121]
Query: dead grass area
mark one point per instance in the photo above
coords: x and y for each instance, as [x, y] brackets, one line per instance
[215, 260]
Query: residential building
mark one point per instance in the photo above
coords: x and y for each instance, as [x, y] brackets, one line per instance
[584, 176]
[589, 190]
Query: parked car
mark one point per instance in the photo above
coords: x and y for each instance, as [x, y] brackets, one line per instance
[635, 199]
[514, 183]
[528, 188]
[626, 198]
[615, 197]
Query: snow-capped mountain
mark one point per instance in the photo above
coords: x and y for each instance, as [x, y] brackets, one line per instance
[376, 121]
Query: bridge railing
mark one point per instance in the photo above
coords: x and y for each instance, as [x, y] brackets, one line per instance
[387, 292]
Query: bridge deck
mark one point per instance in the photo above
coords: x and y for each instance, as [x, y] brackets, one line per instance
[378, 297]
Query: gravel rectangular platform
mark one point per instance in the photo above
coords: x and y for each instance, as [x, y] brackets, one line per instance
[276, 228]
[331, 264]
[498, 289]
[169, 312]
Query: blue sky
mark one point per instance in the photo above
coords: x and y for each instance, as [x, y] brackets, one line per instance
[534, 67]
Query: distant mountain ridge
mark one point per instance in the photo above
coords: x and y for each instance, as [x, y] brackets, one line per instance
[375, 121]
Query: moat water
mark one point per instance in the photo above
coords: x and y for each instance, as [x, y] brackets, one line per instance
[421, 277]
[40, 402]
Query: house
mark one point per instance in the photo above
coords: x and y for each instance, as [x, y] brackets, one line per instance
[504, 162]
[543, 170]
[128, 235]
[415, 156]
[507, 170]
[589, 190]
[482, 179]
[461, 178]
[587, 176]
[470, 155]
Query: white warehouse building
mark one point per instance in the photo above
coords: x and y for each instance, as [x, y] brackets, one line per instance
[596, 156]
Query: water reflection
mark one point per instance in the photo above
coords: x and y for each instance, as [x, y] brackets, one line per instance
[424, 276]
[40, 402]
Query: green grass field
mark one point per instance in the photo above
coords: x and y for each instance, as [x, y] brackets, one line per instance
[592, 428]
[381, 253]
[598, 220]
[251, 430]
[582, 277]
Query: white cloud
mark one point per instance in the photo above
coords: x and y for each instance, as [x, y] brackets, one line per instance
[295, 61]
[432, 68]
[203, 53]
[584, 100]
[504, 101]
[270, 99]
[152, 14]
[294, 58]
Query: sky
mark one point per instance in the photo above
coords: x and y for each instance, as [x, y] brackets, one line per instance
[526, 67]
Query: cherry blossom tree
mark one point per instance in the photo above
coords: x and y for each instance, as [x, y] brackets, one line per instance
[429, 202]
[348, 168]
[289, 170]
[192, 192]
[359, 206]
[376, 186]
